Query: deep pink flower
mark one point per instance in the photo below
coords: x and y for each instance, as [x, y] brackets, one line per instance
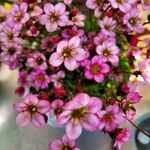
[110, 118]
[80, 113]
[68, 52]
[95, 5]
[108, 52]
[145, 4]
[18, 15]
[31, 110]
[133, 97]
[130, 113]
[22, 80]
[64, 144]
[56, 107]
[57, 78]
[37, 60]
[50, 43]
[54, 16]
[124, 5]
[96, 69]
[122, 136]
[107, 26]
[132, 21]
[33, 31]
[39, 79]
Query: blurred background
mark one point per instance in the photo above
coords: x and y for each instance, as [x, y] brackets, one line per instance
[30, 138]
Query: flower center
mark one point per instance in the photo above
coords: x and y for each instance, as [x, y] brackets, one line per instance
[65, 148]
[107, 27]
[108, 117]
[39, 60]
[11, 51]
[57, 111]
[10, 36]
[95, 69]
[120, 1]
[2, 19]
[132, 21]
[99, 2]
[67, 52]
[79, 113]
[53, 17]
[18, 17]
[146, 2]
[106, 53]
[41, 77]
[32, 109]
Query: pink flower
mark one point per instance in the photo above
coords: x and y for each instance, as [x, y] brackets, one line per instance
[96, 69]
[95, 5]
[18, 15]
[108, 52]
[68, 52]
[124, 5]
[54, 16]
[37, 60]
[130, 113]
[50, 43]
[122, 136]
[107, 25]
[67, 2]
[31, 110]
[56, 107]
[33, 31]
[132, 21]
[110, 118]
[145, 4]
[80, 113]
[3, 17]
[76, 18]
[64, 144]
[22, 80]
[39, 79]
[36, 11]
[57, 78]
[133, 97]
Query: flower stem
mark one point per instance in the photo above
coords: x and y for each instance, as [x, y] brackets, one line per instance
[139, 129]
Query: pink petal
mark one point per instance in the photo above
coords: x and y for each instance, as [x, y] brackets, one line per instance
[63, 21]
[31, 99]
[73, 130]
[60, 8]
[70, 64]
[58, 103]
[114, 60]
[20, 107]
[94, 105]
[99, 78]
[113, 108]
[51, 27]
[110, 126]
[61, 46]
[118, 119]
[43, 19]
[64, 117]
[68, 141]
[79, 54]
[91, 4]
[74, 42]
[38, 120]
[48, 8]
[43, 106]
[56, 60]
[88, 74]
[105, 68]
[55, 144]
[90, 122]
[23, 119]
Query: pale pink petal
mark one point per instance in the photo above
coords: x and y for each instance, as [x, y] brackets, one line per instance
[43, 19]
[73, 130]
[48, 8]
[38, 120]
[56, 60]
[90, 122]
[43, 106]
[20, 107]
[70, 64]
[61, 46]
[113, 108]
[31, 99]
[63, 21]
[94, 105]
[64, 117]
[114, 60]
[91, 4]
[51, 27]
[68, 141]
[60, 8]
[79, 54]
[23, 119]
[55, 144]
[75, 42]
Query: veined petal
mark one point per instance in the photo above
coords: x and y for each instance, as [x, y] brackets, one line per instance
[60, 8]
[43, 106]
[48, 8]
[74, 42]
[70, 64]
[20, 107]
[31, 99]
[79, 54]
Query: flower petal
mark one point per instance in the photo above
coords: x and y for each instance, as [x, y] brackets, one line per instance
[55, 144]
[99, 78]
[70, 64]
[20, 107]
[23, 119]
[48, 8]
[75, 42]
[43, 106]
[56, 60]
[51, 27]
[60, 8]
[79, 54]
[61, 46]
[38, 120]
[31, 99]
[73, 130]
[68, 141]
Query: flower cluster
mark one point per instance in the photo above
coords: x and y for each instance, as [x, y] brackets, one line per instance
[82, 67]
